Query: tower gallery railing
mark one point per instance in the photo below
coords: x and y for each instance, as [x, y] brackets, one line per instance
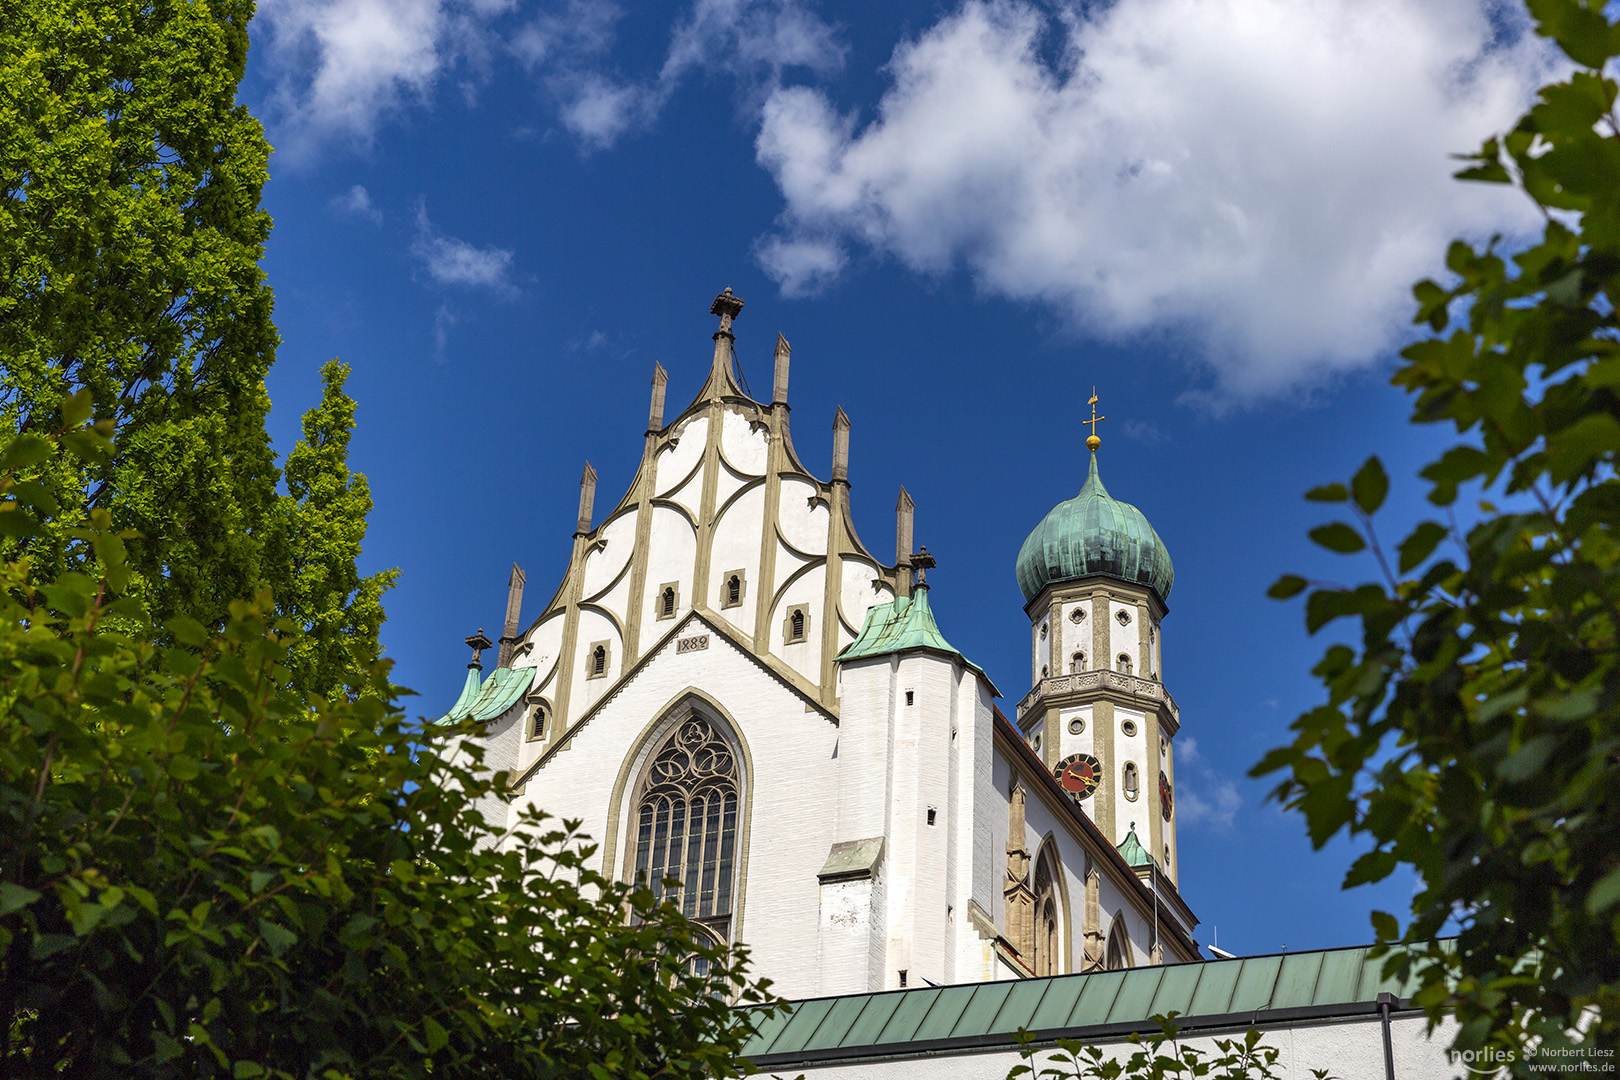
[1149, 690]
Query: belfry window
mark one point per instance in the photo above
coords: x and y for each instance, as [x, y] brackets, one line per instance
[795, 626]
[686, 824]
[668, 602]
[1077, 662]
[1133, 783]
[1123, 663]
[598, 661]
[734, 589]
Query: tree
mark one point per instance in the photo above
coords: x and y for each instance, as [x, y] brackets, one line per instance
[130, 240]
[1162, 1055]
[1474, 732]
[205, 873]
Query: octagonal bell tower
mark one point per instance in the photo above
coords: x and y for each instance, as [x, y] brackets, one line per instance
[1095, 577]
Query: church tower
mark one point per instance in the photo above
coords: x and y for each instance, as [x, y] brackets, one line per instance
[1095, 577]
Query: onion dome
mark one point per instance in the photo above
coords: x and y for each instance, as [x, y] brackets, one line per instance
[1094, 534]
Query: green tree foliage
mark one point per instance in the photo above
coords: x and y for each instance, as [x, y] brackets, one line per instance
[1473, 733]
[130, 240]
[1163, 1055]
[202, 876]
[315, 541]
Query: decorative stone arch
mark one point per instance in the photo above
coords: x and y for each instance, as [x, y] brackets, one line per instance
[1051, 957]
[632, 784]
[1120, 954]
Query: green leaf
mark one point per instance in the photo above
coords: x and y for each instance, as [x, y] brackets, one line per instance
[1338, 537]
[1420, 545]
[1370, 867]
[1605, 894]
[1370, 485]
[1286, 586]
[14, 897]
[278, 938]
[1385, 928]
[24, 451]
[437, 1037]
[1328, 493]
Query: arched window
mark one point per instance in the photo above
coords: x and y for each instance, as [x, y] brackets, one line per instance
[1133, 783]
[734, 590]
[1077, 662]
[541, 715]
[1047, 908]
[1123, 662]
[686, 824]
[794, 629]
[599, 660]
[1119, 946]
[668, 601]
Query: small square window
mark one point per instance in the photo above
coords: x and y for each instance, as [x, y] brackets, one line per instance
[669, 599]
[733, 587]
[911, 697]
[796, 627]
[931, 813]
[597, 658]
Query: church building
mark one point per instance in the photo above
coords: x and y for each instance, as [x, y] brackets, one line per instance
[729, 687]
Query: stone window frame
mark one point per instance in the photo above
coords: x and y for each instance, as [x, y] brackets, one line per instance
[1077, 613]
[635, 782]
[1123, 616]
[672, 590]
[539, 716]
[1123, 665]
[1119, 953]
[592, 671]
[726, 600]
[803, 634]
[1077, 662]
[1131, 781]
[1128, 727]
[1077, 725]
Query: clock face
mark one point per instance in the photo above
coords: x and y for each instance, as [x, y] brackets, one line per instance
[1078, 775]
[1167, 797]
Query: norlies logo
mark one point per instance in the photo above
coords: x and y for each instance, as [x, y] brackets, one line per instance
[1550, 1060]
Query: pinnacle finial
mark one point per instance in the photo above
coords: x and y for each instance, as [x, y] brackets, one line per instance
[1092, 441]
[728, 306]
[478, 643]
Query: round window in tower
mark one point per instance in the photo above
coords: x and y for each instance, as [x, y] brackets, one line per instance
[1076, 726]
[1123, 616]
[1043, 631]
[1129, 728]
[1077, 614]
[1037, 740]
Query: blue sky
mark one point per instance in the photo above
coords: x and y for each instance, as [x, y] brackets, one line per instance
[501, 213]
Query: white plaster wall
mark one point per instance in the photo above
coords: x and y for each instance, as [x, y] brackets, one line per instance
[671, 556]
[803, 516]
[689, 494]
[1122, 639]
[744, 446]
[728, 483]
[858, 592]
[1132, 748]
[794, 769]
[1043, 647]
[1350, 1049]
[1037, 736]
[674, 463]
[614, 545]
[804, 656]
[976, 805]
[593, 627]
[736, 545]
[1083, 743]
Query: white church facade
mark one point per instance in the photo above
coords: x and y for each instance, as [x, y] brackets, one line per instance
[730, 688]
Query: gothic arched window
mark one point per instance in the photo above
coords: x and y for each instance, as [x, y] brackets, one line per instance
[1077, 662]
[686, 824]
[1047, 908]
[1124, 663]
[668, 601]
[1119, 946]
[734, 589]
[1133, 782]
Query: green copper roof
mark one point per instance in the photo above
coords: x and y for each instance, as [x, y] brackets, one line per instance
[1134, 853]
[978, 1016]
[498, 693]
[902, 624]
[1094, 534]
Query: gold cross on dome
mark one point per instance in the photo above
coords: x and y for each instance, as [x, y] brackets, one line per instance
[1092, 440]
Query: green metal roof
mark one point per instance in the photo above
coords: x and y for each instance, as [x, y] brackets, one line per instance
[498, 693]
[1210, 993]
[1133, 851]
[905, 623]
[1094, 534]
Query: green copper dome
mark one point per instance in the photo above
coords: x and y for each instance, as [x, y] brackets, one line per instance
[1091, 534]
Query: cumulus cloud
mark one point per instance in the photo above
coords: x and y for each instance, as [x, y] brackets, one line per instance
[345, 65]
[751, 41]
[356, 202]
[1262, 178]
[452, 261]
[1203, 798]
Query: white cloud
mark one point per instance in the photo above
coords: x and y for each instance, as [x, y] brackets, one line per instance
[1263, 177]
[452, 261]
[1203, 798]
[752, 41]
[344, 65]
[356, 202]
